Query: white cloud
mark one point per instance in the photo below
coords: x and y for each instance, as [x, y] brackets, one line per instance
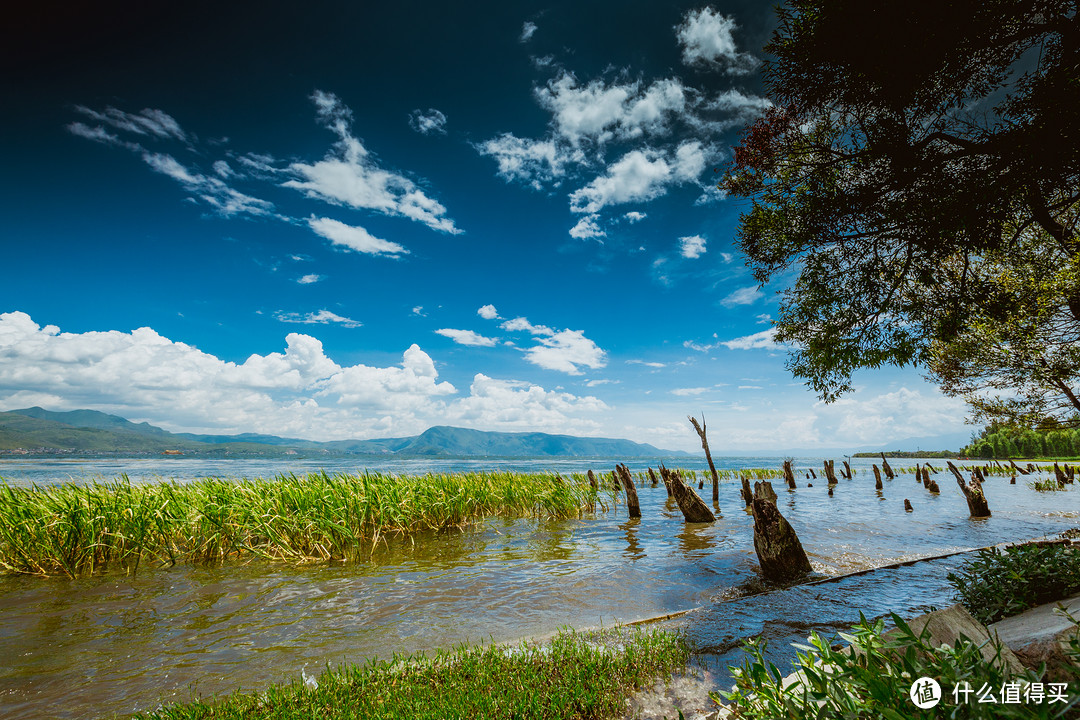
[743, 296]
[637, 176]
[148, 122]
[309, 279]
[586, 228]
[646, 364]
[527, 30]
[300, 392]
[692, 246]
[764, 318]
[225, 200]
[707, 39]
[534, 162]
[634, 216]
[726, 258]
[428, 122]
[563, 350]
[761, 340]
[488, 312]
[467, 337]
[322, 317]
[349, 176]
[690, 392]
[419, 311]
[353, 237]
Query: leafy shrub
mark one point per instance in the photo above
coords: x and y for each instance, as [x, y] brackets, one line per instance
[997, 584]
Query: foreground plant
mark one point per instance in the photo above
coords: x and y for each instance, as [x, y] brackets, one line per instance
[874, 677]
[572, 677]
[74, 530]
[999, 583]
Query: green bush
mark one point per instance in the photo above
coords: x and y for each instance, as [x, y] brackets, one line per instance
[875, 679]
[997, 584]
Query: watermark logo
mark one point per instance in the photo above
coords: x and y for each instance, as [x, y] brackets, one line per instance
[925, 693]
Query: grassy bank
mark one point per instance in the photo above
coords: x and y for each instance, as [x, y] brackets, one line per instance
[74, 530]
[569, 678]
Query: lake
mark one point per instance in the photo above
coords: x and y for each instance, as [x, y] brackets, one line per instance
[89, 647]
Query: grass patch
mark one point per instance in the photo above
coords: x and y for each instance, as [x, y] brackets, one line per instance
[997, 584]
[1046, 485]
[875, 680]
[75, 530]
[568, 678]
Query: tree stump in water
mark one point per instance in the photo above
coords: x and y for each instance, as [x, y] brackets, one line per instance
[973, 493]
[747, 493]
[886, 467]
[595, 489]
[1012, 480]
[1062, 478]
[700, 429]
[652, 478]
[877, 477]
[847, 470]
[907, 506]
[693, 507]
[812, 473]
[789, 475]
[631, 491]
[830, 471]
[979, 476]
[779, 551]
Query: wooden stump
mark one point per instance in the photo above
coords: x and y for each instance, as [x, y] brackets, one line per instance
[877, 477]
[979, 476]
[907, 506]
[693, 507]
[700, 429]
[1012, 480]
[847, 470]
[595, 489]
[592, 481]
[973, 493]
[652, 478]
[789, 475]
[631, 492]
[747, 493]
[830, 471]
[887, 468]
[779, 551]
[813, 474]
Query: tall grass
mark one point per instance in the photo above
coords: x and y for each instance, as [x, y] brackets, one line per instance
[74, 530]
[568, 679]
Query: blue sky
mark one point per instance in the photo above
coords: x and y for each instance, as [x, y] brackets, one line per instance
[343, 220]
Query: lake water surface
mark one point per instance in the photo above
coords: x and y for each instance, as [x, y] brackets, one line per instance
[87, 648]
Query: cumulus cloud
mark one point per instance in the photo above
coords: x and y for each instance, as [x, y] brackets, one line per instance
[534, 162]
[427, 123]
[349, 176]
[707, 39]
[528, 28]
[322, 317]
[564, 350]
[690, 392]
[766, 339]
[743, 296]
[692, 246]
[488, 312]
[309, 279]
[634, 216]
[297, 393]
[353, 237]
[640, 175]
[587, 227]
[467, 337]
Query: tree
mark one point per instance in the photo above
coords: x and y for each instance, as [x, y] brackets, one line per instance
[919, 159]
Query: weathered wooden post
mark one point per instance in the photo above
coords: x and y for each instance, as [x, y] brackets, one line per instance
[692, 506]
[595, 489]
[907, 506]
[708, 455]
[812, 473]
[652, 478]
[979, 476]
[1062, 478]
[885, 466]
[631, 492]
[877, 477]
[747, 493]
[789, 475]
[847, 470]
[779, 551]
[830, 472]
[973, 493]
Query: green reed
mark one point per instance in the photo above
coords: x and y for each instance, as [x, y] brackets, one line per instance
[76, 530]
[571, 677]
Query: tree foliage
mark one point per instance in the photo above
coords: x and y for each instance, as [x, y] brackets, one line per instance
[919, 175]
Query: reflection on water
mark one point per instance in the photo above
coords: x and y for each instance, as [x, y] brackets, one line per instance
[85, 648]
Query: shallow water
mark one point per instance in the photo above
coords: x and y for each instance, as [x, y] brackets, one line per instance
[90, 647]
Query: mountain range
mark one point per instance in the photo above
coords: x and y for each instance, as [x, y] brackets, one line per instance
[89, 431]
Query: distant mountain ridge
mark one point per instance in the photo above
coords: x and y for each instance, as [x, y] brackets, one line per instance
[93, 431]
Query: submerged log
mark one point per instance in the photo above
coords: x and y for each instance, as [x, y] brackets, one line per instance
[631, 491]
[779, 551]
[887, 468]
[747, 493]
[693, 508]
[907, 506]
[973, 493]
[789, 475]
[700, 429]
